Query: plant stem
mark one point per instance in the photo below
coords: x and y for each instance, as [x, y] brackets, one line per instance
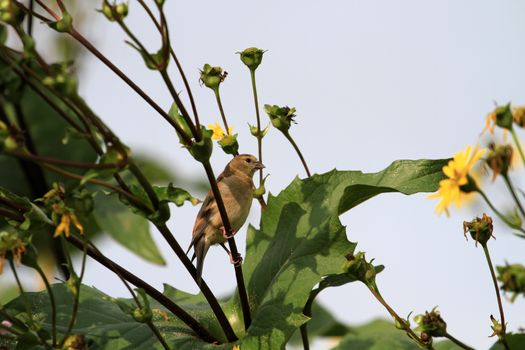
[498, 297]
[243, 296]
[25, 301]
[259, 136]
[307, 311]
[159, 336]
[518, 145]
[214, 304]
[132, 85]
[53, 304]
[458, 342]
[501, 216]
[221, 109]
[289, 138]
[55, 161]
[513, 193]
[143, 181]
[401, 322]
[155, 294]
[6, 213]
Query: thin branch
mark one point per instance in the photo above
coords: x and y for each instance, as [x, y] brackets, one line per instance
[155, 294]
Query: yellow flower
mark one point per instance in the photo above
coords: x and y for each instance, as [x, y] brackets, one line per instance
[65, 222]
[457, 171]
[218, 133]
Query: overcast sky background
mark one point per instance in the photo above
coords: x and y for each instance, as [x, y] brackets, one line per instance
[372, 81]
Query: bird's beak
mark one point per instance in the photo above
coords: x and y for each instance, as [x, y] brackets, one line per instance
[259, 165]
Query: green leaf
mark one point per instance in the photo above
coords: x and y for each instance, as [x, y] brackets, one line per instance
[176, 195]
[301, 240]
[516, 341]
[445, 345]
[377, 335]
[103, 323]
[130, 230]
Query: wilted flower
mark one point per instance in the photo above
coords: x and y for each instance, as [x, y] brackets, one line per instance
[513, 279]
[281, 117]
[212, 77]
[11, 243]
[65, 223]
[499, 159]
[431, 323]
[480, 229]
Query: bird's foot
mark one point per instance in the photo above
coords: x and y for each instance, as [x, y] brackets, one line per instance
[236, 262]
[225, 234]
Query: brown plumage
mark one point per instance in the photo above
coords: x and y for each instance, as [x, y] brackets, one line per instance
[236, 188]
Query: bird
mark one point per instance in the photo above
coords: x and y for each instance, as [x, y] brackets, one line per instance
[236, 188]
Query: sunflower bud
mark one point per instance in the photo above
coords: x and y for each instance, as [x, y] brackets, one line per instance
[252, 57]
[212, 77]
[480, 229]
[513, 279]
[499, 159]
[281, 117]
[258, 134]
[114, 12]
[504, 116]
[431, 323]
[229, 144]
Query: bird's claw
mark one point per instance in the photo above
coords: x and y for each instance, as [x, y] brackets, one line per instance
[225, 234]
[237, 262]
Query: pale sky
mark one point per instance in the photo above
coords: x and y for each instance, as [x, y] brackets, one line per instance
[372, 81]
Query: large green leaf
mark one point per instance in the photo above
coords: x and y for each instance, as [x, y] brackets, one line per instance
[516, 341]
[301, 240]
[377, 335]
[102, 321]
[125, 227]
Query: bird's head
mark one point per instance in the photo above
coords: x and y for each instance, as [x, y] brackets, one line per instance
[246, 164]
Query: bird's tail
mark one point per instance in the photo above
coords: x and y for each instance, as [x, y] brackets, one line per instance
[200, 252]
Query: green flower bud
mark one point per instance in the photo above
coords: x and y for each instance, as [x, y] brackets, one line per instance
[480, 229]
[159, 3]
[143, 315]
[202, 150]
[497, 328]
[255, 131]
[281, 117]
[504, 117]
[114, 12]
[513, 279]
[64, 25]
[73, 283]
[212, 77]
[229, 144]
[11, 13]
[363, 270]
[261, 190]
[499, 159]
[11, 144]
[252, 57]
[431, 323]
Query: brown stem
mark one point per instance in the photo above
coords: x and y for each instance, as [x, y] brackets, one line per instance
[155, 294]
[289, 137]
[55, 161]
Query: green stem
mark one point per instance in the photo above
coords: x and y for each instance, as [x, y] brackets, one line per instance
[159, 336]
[513, 193]
[53, 304]
[146, 185]
[518, 145]
[399, 320]
[25, 301]
[501, 216]
[259, 136]
[458, 342]
[307, 311]
[498, 297]
[289, 138]
[221, 109]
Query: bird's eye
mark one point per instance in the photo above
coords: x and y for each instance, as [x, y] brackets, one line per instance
[248, 160]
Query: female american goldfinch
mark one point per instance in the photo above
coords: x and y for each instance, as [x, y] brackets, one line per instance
[236, 188]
